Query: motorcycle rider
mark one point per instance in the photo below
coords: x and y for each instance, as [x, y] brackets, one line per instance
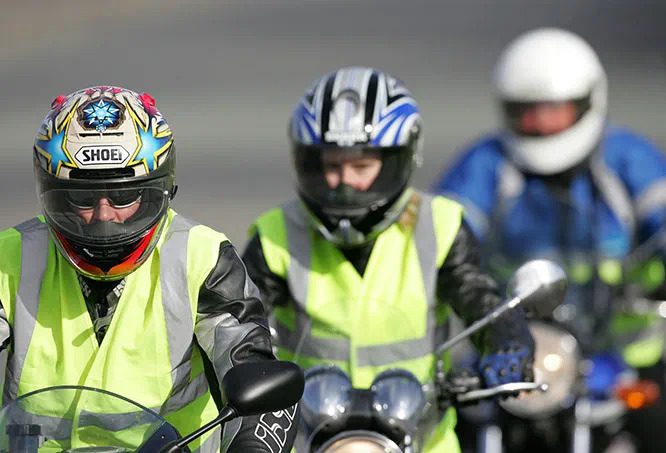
[112, 289]
[361, 269]
[558, 181]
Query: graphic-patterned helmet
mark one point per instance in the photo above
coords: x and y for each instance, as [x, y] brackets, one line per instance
[355, 111]
[106, 146]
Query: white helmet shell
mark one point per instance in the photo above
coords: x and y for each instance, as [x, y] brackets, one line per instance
[551, 64]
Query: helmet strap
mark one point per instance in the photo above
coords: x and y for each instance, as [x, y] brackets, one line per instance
[346, 232]
[346, 235]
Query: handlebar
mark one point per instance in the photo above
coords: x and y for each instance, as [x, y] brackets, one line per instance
[465, 386]
[500, 390]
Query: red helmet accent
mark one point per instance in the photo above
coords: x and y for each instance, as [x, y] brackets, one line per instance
[148, 103]
[128, 265]
[147, 99]
[58, 101]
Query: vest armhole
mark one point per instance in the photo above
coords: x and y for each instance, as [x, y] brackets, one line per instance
[272, 231]
[447, 218]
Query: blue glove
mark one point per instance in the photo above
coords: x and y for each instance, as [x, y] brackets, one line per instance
[511, 363]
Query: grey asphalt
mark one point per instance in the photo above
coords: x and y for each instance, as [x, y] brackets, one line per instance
[227, 74]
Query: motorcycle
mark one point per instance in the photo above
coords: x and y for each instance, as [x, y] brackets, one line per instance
[591, 390]
[30, 424]
[395, 413]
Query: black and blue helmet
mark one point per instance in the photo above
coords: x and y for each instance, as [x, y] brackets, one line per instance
[358, 110]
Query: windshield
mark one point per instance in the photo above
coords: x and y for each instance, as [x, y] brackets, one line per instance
[78, 419]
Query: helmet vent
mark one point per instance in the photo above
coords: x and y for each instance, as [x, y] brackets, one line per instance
[101, 134]
[110, 173]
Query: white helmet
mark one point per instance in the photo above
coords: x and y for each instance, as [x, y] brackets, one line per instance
[552, 65]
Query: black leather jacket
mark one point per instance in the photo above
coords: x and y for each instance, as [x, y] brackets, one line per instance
[228, 294]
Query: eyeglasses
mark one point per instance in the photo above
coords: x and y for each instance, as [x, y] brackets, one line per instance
[83, 199]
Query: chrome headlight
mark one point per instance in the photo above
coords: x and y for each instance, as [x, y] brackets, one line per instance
[360, 442]
[556, 360]
[398, 398]
[326, 395]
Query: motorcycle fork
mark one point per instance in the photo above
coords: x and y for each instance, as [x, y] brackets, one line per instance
[489, 439]
[582, 434]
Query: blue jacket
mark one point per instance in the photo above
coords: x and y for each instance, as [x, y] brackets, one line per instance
[605, 212]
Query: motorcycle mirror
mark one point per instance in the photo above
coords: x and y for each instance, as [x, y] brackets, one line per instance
[259, 387]
[541, 284]
[252, 388]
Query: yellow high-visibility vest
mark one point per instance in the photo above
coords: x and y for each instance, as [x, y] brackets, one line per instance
[148, 354]
[388, 318]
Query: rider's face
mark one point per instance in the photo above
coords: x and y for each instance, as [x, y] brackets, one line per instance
[357, 171]
[546, 118]
[105, 211]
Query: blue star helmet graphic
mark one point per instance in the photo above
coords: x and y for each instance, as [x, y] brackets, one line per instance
[100, 115]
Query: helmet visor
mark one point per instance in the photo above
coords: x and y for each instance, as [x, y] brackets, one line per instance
[350, 181]
[105, 213]
[537, 119]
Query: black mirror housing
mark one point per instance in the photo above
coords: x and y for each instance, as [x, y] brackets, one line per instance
[253, 388]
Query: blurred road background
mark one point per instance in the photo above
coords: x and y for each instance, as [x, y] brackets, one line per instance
[227, 73]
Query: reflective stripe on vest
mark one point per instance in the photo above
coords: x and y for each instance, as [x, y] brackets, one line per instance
[211, 444]
[301, 341]
[614, 193]
[178, 319]
[34, 246]
[55, 428]
[652, 199]
[178, 315]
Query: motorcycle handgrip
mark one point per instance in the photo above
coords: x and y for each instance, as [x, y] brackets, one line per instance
[500, 390]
